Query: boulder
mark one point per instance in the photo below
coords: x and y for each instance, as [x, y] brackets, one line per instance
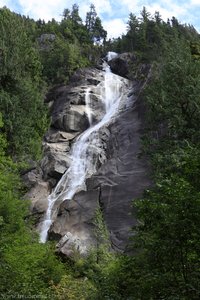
[38, 190]
[56, 159]
[69, 244]
[58, 136]
[77, 215]
[45, 41]
[74, 119]
[121, 64]
[47, 37]
[77, 218]
[31, 177]
[38, 194]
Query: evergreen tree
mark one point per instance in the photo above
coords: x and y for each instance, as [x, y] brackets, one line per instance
[76, 19]
[66, 13]
[91, 18]
[99, 33]
[21, 95]
[158, 18]
[94, 26]
[133, 31]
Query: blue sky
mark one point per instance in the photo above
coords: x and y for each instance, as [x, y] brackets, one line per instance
[113, 13]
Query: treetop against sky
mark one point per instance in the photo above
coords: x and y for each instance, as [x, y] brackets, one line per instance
[113, 13]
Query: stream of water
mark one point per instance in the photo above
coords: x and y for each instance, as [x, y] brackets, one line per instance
[87, 149]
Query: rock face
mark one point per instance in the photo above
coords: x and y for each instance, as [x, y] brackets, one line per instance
[39, 190]
[121, 64]
[77, 219]
[121, 175]
[122, 178]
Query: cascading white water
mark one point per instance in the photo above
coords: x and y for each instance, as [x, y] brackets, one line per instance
[111, 55]
[87, 150]
[87, 106]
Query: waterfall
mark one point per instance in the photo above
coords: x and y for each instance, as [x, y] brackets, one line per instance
[111, 55]
[87, 106]
[87, 150]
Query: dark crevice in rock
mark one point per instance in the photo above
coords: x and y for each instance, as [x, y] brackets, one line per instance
[52, 236]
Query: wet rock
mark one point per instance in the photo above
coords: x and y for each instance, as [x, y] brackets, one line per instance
[121, 176]
[74, 119]
[56, 159]
[58, 136]
[87, 76]
[77, 217]
[121, 64]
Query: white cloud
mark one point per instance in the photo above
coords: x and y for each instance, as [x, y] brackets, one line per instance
[101, 6]
[195, 2]
[46, 9]
[167, 9]
[115, 27]
[43, 9]
[176, 9]
[132, 5]
[7, 3]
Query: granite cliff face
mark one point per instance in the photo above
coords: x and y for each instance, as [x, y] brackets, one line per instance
[119, 176]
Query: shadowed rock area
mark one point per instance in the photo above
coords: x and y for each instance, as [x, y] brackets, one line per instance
[121, 176]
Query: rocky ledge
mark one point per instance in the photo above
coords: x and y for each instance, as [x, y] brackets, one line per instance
[120, 178]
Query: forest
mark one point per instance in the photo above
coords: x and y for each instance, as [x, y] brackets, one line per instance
[165, 259]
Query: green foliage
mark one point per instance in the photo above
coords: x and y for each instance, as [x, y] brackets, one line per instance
[90, 18]
[29, 62]
[149, 36]
[73, 46]
[61, 61]
[32, 56]
[100, 230]
[25, 119]
[169, 239]
[71, 288]
[21, 95]
[27, 267]
[195, 50]
[176, 102]
[3, 142]
[94, 26]
[165, 261]
[166, 245]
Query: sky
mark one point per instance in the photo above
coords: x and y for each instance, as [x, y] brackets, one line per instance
[113, 13]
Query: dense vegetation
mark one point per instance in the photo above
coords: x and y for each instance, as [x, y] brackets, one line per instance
[166, 244]
[33, 57]
[165, 265]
